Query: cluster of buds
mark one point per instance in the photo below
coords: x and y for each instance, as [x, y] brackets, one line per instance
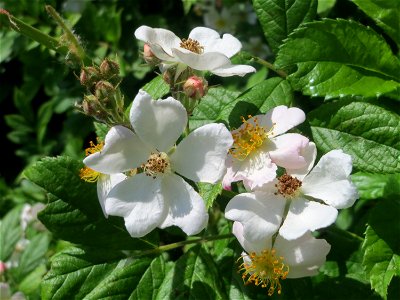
[103, 100]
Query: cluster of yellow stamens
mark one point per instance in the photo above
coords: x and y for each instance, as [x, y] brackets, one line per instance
[288, 186]
[158, 163]
[265, 269]
[87, 174]
[192, 45]
[249, 137]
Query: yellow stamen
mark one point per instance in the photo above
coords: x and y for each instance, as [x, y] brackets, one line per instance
[248, 138]
[87, 174]
[265, 269]
[192, 45]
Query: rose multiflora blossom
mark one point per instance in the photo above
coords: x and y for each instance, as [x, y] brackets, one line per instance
[260, 145]
[204, 50]
[311, 199]
[157, 196]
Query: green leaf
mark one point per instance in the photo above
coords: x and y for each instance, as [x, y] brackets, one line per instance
[194, 276]
[367, 132]
[31, 283]
[324, 6]
[101, 130]
[74, 213]
[10, 232]
[279, 18]
[335, 58]
[44, 115]
[380, 263]
[209, 192]
[373, 186]
[156, 88]
[386, 13]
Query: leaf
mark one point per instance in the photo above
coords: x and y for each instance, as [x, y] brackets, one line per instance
[367, 132]
[31, 283]
[335, 58]
[209, 192]
[74, 213]
[324, 6]
[10, 232]
[386, 13]
[380, 263]
[194, 276]
[279, 18]
[101, 130]
[156, 88]
[374, 186]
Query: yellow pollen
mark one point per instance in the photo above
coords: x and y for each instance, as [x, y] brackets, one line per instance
[265, 269]
[192, 45]
[158, 163]
[288, 186]
[248, 138]
[87, 174]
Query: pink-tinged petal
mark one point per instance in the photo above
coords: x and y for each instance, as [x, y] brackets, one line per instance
[161, 54]
[186, 208]
[164, 38]
[158, 123]
[309, 152]
[304, 215]
[202, 62]
[201, 155]
[233, 70]
[288, 150]
[229, 176]
[140, 202]
[104, 186]
[330, 180]
[260, 214]
[304, 256]
[123, 150]
[256, 246]
[282, 118]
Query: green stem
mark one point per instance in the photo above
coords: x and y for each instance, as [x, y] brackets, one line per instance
[342, 232]
[269, 66]
[181, 244]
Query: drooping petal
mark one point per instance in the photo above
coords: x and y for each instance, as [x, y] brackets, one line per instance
[304, 215]
[309, 152]
[186, 208]
[201, 155]
[158, 123]
[304, 255]
[202, 62]
[212, 42]
[229, 176]
[104, 186]
[140, 202]
[232, 70]
[260, 214]
[288, 150]
[159, 36]
[282, 118]
[123, 150]
[330, 180]
[256, 246]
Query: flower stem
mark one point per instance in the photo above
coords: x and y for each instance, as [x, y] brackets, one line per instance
[181, 244]
[269, 66]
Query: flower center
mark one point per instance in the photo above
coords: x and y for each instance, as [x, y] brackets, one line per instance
[248, 138]
[288, 186]
[192, 45]
[266, 269]
[158, 163]
[87, 174]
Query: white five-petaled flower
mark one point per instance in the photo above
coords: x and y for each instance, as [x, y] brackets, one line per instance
[204, 50]
[158, 197]
[268, 261]
[310, 197]
[260, 146]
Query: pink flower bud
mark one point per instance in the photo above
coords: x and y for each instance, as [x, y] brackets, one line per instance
[149, 56]
[3, 267]
[195, 87]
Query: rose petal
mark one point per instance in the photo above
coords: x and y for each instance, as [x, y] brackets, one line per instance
[288, 149]
[202, 62]
[282, 118]
[309, 152]
[104, 186]
[256, 246]
[232, 70]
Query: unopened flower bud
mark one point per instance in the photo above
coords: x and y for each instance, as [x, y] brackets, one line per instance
[109, 69]
[195, 87]
[3, 267]
[89, 76]
[104, 90]
[149, 56]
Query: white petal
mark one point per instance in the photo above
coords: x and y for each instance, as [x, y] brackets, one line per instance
[158, 123]
[212, 42]
[201, 155]
[282, 118]
[139, 200]
[309, 153]
[202, 62]
[229, 176]
[330, 180]
[123, 150]
[288, 150]
[232, 70]
[260, 214]
[159, 36]
[304, 255]
[256, 246]
[104, 186]
[186, 208]
[304, 215]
